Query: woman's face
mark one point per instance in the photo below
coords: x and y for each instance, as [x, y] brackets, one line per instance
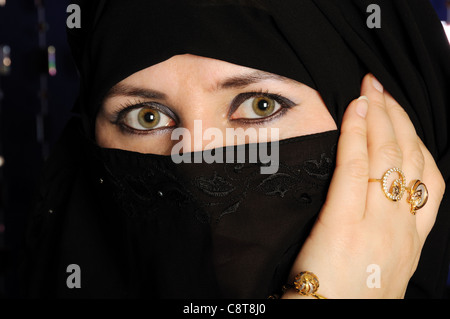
[140, 113]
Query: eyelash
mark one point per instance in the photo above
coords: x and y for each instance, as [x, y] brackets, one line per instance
[284, 102]
[125, 108]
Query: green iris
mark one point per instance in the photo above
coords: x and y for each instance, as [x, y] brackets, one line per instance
[263, 106]
[149, 118]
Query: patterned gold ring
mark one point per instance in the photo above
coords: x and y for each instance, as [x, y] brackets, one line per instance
[395, 190]
[417, 196]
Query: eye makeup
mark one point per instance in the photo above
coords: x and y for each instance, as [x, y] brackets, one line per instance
[119, 116]
[285, 105]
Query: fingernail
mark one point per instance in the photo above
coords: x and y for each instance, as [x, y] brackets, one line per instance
[377, 85]
[362, 106]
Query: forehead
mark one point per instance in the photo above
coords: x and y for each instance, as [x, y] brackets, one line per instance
[190, 70]
[189, 66]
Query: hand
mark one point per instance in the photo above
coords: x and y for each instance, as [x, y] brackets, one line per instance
[358, 226]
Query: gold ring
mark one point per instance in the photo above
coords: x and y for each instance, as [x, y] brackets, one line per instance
[397, 188]
[417, 196]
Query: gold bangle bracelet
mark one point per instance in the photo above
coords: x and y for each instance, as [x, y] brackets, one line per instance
[305, 284]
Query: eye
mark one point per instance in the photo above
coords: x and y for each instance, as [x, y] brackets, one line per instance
[146, 119]
[252, 106]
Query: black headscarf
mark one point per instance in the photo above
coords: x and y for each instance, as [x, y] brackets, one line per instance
[325, 44]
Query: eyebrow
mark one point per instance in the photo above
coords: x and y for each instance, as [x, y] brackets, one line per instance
[241, 81]
[235, 82]
[121, 89]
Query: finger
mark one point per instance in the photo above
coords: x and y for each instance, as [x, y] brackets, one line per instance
[384, 152]
[383, 149]
[348, 186]
[413, 158]
[432, 178]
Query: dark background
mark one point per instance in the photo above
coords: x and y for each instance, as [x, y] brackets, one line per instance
[25, 100]
[34, 108]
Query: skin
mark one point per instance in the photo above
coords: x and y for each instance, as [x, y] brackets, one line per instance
[357, 221]
[191, 85]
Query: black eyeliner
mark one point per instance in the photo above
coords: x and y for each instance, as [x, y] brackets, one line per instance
[263, 120]
[241, 98]
[128, 130]
[120, 115]
[284, 102]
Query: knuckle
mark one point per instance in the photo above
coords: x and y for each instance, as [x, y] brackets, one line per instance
[392, 152]
[397, 110]
[357, 168]
[417, 158]
[378, 103]
[358, 130]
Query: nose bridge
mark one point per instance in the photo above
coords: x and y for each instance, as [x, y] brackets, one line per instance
[201, 117]
[202, 133]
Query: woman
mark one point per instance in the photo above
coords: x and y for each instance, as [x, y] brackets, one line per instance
[139, 224]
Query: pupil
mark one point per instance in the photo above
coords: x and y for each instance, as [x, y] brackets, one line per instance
[149, 117]
[263, 105]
